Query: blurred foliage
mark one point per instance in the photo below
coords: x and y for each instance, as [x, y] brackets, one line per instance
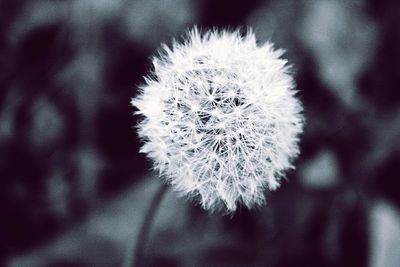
[67, 143]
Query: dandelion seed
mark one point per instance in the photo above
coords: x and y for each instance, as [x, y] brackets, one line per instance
[220, 119]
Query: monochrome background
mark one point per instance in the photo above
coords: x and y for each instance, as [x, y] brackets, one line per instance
[74, 190]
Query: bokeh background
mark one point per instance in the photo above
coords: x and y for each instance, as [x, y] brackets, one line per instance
[74, 190]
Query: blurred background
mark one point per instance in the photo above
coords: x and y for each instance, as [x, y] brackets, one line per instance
[74, 190]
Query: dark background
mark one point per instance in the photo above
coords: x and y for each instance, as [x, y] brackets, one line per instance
[74, 189]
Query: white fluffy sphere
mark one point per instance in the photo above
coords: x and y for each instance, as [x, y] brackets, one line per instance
[220, 119]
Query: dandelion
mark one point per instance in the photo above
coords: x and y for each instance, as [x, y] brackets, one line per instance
[220, 119]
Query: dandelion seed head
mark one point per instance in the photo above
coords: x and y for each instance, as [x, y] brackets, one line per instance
[220, 119]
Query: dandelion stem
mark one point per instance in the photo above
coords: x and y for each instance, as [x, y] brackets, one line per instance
[136, 255]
